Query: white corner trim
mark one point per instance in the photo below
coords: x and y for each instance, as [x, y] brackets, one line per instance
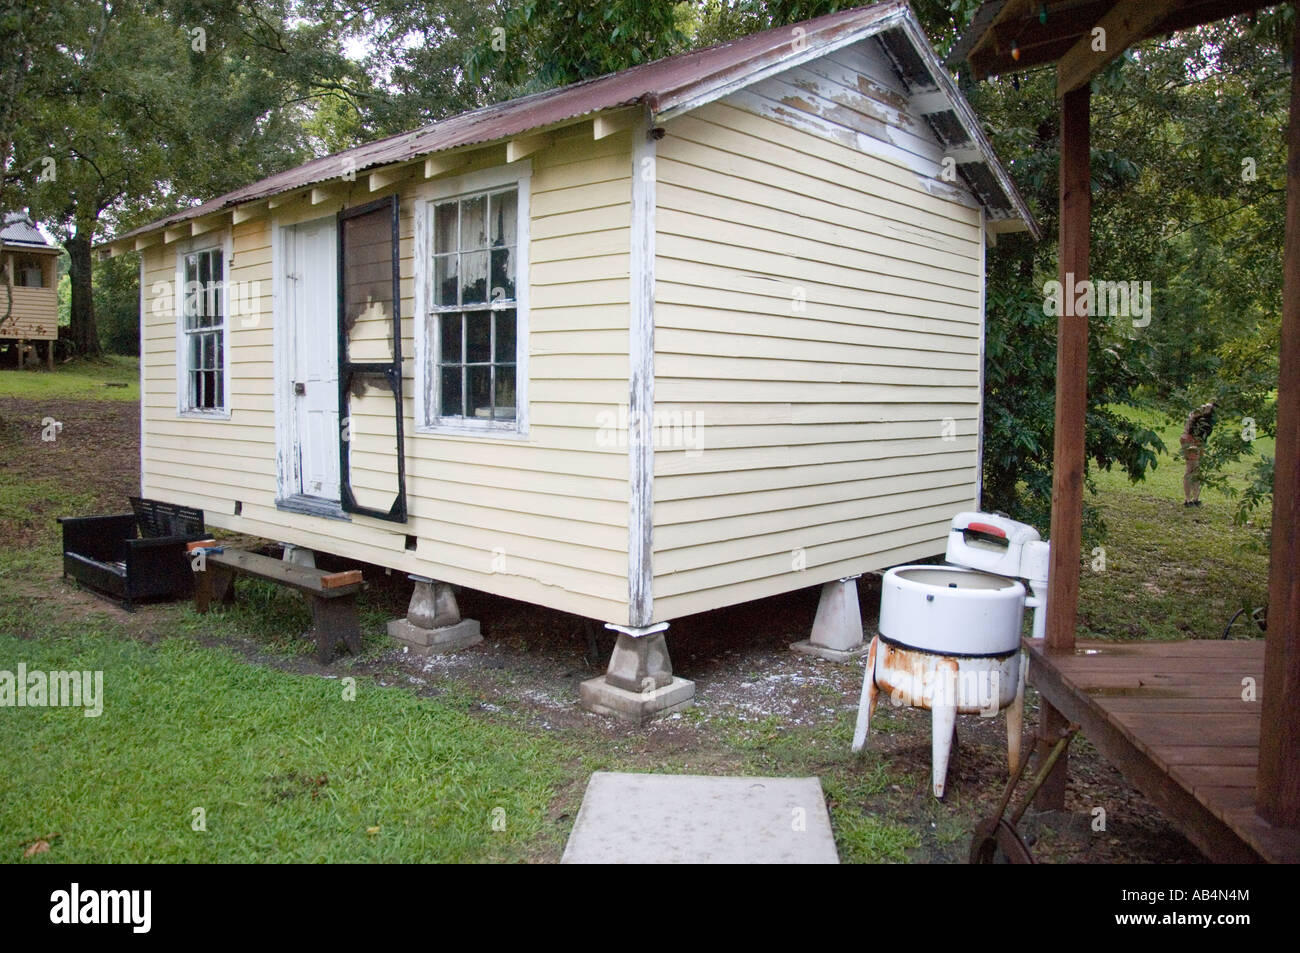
[225, 241]
[144, 317]
[281, 344]
[641, 380]
[518, 174]
[979, 420]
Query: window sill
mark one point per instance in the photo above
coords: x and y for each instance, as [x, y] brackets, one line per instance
[472, 430]
[204, 414]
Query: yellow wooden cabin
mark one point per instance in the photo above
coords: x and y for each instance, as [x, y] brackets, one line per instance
[28, 273]
[692, 334]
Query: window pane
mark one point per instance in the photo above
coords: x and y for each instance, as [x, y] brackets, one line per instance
[503, 208]
[209, 358]
[209, 390]
[479, 390]
[473, 223]
[196, 352]
[189, 294]
[503, 274]
[218, 390]
[450, 338]
[444, 280]
[505, 344]
[504, 211]
[505, 392]
[474, 271]
[444, 228]
[451, 405]
[205, 279]
[478, 337]
[215, 309]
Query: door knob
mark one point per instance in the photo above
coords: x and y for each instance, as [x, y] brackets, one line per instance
[299, 388]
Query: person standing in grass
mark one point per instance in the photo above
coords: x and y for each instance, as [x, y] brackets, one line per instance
[1200, 422]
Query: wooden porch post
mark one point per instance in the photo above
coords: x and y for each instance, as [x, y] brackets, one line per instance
[1277, 793]
[1071, 409]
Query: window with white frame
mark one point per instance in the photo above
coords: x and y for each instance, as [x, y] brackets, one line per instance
[203, 331]
[474, 318]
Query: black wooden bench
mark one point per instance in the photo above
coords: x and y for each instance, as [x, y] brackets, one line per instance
[105, 554]
[332, 596]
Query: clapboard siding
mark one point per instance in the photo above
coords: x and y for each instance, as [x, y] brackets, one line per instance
[818, 318]
[543, 519]
[33, 316]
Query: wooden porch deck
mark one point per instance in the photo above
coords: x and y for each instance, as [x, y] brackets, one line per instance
[1172, 717]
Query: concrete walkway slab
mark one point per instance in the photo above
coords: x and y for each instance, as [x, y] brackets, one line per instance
[694, 819]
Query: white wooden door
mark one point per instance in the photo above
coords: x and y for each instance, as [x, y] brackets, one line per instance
[312, 283]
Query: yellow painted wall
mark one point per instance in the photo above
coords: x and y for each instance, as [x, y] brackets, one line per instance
[818, 322]
[554, 505]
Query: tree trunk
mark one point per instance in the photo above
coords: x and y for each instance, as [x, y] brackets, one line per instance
[84, 333]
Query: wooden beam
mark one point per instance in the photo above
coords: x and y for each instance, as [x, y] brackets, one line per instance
[383, 178]
[607, 124]
[143, 242]
[991, 44]
[1124, 25]
[1071, 411]
[1277, 798]
[517, 149]
[933, 102]
[250, 211]
[964, 154]
[176, 231]
[435, 166]
[201, 226]
[284, 198]
[320, 195]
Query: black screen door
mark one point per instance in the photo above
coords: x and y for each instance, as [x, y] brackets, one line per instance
[370, 363]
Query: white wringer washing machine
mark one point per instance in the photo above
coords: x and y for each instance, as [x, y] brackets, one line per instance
[950, 634]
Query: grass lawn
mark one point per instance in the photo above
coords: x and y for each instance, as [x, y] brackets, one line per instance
[111, 378]
[1171, 572]
[278, 766]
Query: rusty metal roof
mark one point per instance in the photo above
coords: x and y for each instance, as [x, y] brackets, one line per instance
[664, 87]
[19, 230]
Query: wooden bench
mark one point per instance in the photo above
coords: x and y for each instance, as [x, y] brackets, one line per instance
[332, 596]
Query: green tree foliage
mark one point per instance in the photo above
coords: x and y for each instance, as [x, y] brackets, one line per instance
[548, 43]
[1172, 123]
[117, 304]
[161, 102]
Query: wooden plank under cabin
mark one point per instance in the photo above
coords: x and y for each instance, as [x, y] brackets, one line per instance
[1278, 797]
[1181, 723]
